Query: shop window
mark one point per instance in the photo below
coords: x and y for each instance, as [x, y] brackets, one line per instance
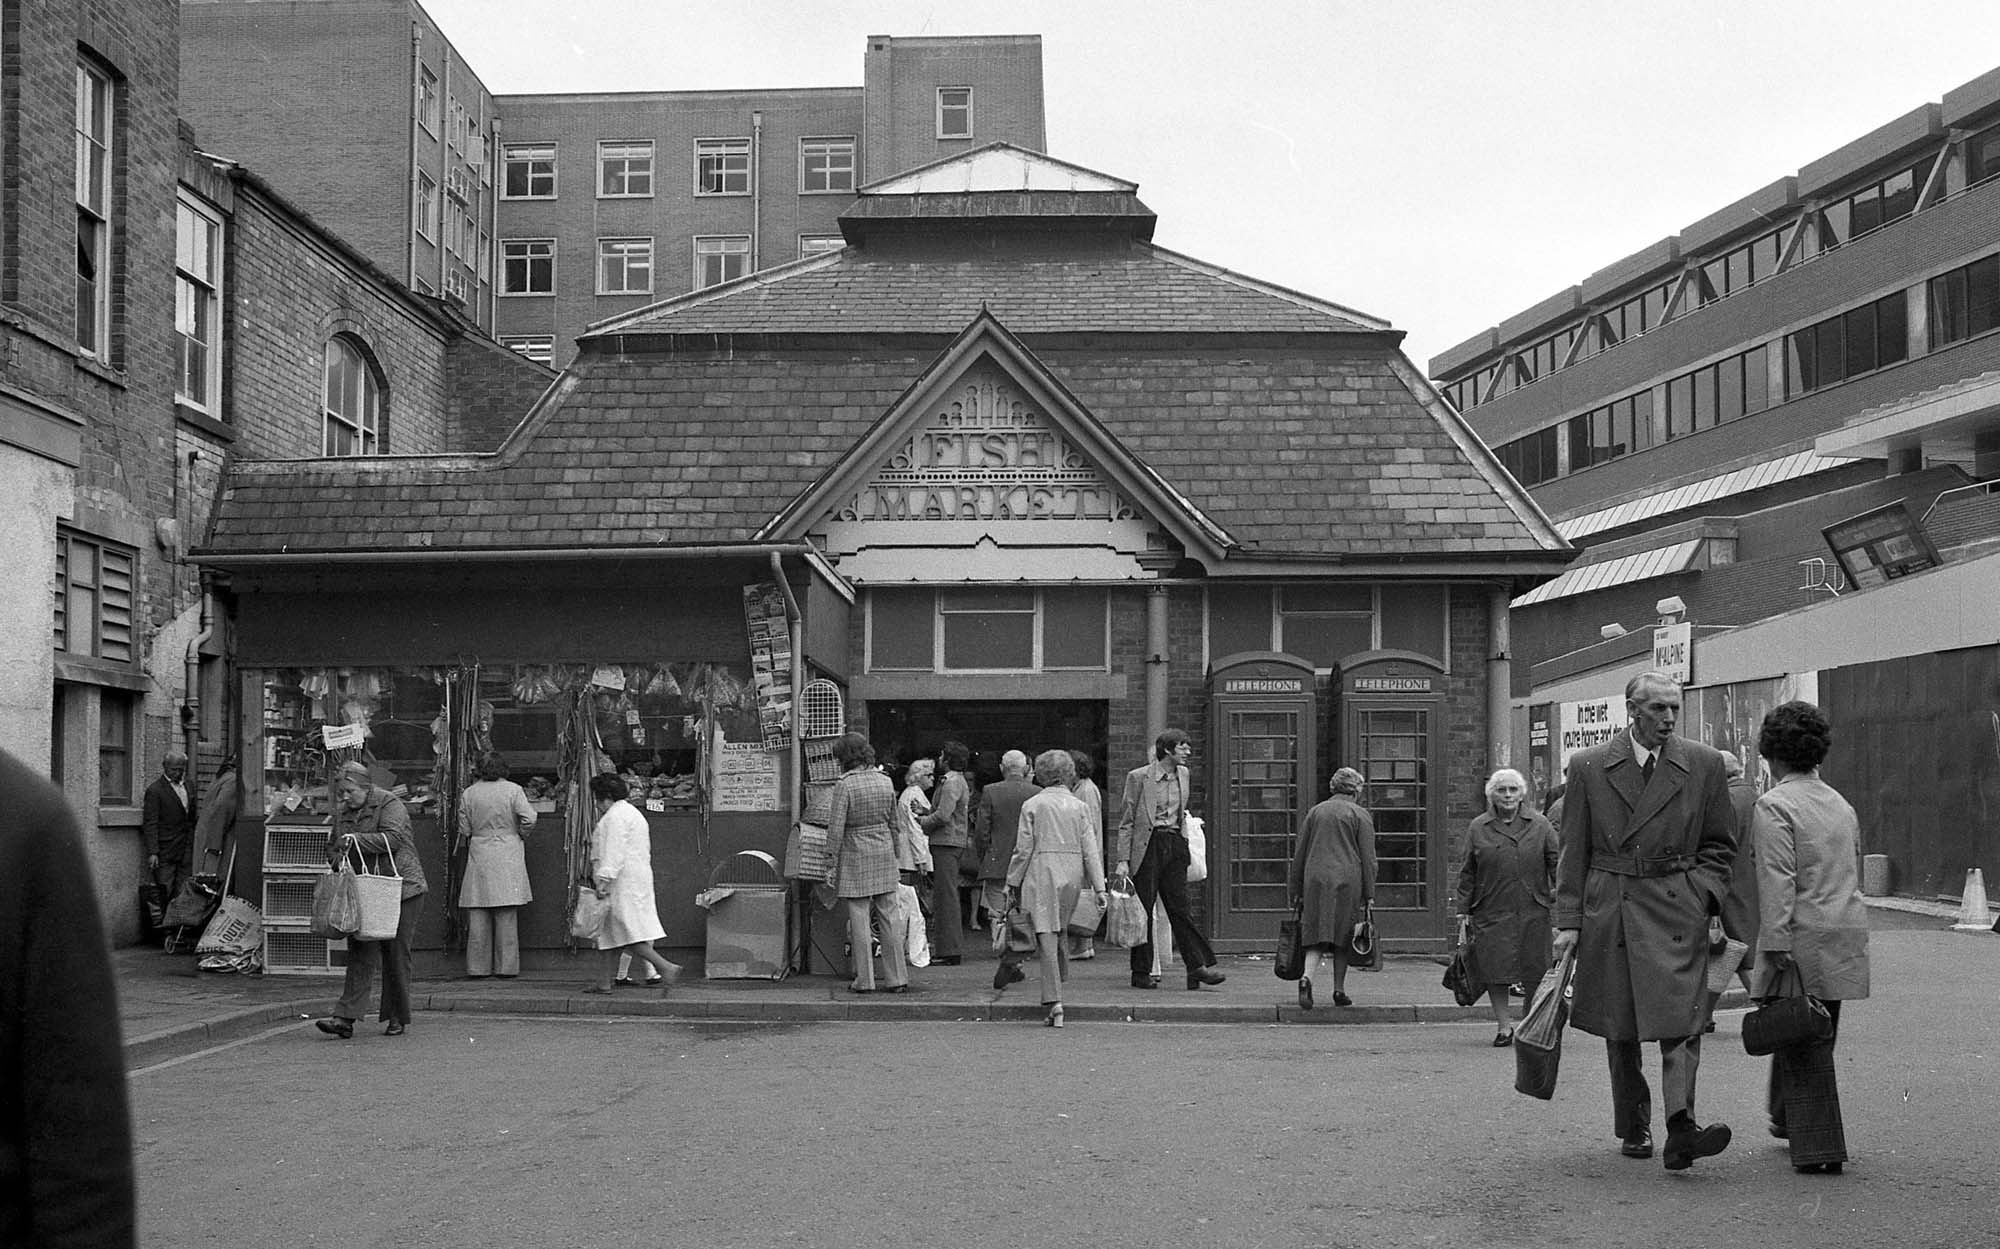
[722, 166]
[530, 171]
[353, 401]
[625, 170]
[94, 102]
[826, 166]
[116, 735]
[954, 113]
[95, 604]
[1416, 618]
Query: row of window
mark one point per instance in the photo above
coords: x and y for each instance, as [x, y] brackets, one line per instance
[625, 168]
[625, 265]
[1814, 233]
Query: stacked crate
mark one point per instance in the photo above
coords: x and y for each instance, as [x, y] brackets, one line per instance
[294, 860]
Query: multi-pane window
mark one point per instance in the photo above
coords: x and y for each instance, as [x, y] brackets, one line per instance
[826, 165]
[197, 303]
[530, 171]
[1874, 205]
[625, 266]
[954, 113]
[1965, 301]
[353, 403]
[1530, 458]
[537, 347]
[1618, 428]
[1718, 393]
[625, 169]
[116, 741]
[1737, 268]
[93, 211]
[987, 630]
[454, 284]
[1855, 342]
[720, 258]
[427, 99]
[527, 266]
[819, 244]
[427, 205]
[722, 166]
[1327, 624]
[485, 256]
[95, 610]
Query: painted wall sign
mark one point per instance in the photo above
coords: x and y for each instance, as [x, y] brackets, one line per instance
[1392, 685]
[1264, 685]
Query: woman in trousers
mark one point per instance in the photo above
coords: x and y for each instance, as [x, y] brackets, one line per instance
[494, 816]
[372, 824]
[864, 863]
[1058, 853]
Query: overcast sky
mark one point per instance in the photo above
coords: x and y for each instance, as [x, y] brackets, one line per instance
[1441, 164]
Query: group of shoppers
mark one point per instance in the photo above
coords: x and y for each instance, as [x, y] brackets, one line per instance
[1663, 842]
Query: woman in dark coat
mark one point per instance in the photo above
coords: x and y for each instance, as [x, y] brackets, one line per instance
[1505, 887]
[1332, 881]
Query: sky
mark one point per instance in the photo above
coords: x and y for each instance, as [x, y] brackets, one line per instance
[1442, 164]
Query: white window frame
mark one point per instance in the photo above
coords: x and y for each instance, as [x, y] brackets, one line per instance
[719, 247]
[529, 257]
[724, 154]
[529, 154]
[485, 269]
[454, 284]
[362, 424]
[427, 100]
[198, 303]
[1038, 613]
[828, 151]
[540, 348]
[819, 244]
[626, 257]
[943, 109]
[628, 155]
[96, 110]
[427, 202]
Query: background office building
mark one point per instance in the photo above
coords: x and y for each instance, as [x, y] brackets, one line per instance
[1778, 433]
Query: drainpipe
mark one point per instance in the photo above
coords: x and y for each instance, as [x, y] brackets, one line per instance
[796, 620]
[756, 190]
[1499, 681]
[410, 175]
[191, 676]
[1156, 661]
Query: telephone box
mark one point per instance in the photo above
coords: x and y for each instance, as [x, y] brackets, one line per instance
[1391, 730]
[1262, 716]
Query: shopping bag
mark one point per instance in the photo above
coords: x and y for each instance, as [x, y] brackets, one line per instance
[815, 855]
[1535, 1068]
[1290, 963]
[1125, 919]
[1088, 915]
[1548, 1010]
[916, 935]
[1722, 966]
[381, 902]
[1197, 840]
[587, 920]
[1461, 979]
[336, 905]
[192, 906]
[1784, 1022]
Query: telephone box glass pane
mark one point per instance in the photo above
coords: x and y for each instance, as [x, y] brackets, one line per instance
[1261, 752]
[1394, 749]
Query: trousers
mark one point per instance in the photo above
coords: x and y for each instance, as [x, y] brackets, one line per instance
[947, 916]
[860, 940]
[1632, 1098]
[394, 957]
[1163, 875]
[492, 940]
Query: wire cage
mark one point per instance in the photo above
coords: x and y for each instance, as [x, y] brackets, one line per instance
[294, 951]
[288, 897]
[821, 766]
[819, 803]
[289, 847]
[747, 869]
[821, 712]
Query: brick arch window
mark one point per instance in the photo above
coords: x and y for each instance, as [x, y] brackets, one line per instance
[353, 399]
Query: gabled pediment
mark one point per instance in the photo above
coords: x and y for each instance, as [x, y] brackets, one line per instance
[988, 469]
[997, 167]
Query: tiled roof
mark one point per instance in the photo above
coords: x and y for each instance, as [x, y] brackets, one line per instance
[1659, 562]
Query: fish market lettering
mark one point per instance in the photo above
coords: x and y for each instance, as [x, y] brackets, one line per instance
[949, 449]
[966, 501]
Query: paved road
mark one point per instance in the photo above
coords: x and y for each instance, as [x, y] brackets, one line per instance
[483, 1130]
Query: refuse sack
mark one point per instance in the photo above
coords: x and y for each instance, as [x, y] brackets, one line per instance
[238, 927]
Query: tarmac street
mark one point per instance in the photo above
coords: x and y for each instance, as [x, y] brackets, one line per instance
[487, 1127]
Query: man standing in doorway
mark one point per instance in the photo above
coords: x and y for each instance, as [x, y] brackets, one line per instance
[948, 827]
[1647, 839]
[1152, 833]
[167, 826]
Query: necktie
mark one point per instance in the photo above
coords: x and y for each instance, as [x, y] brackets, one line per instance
[1646, 770]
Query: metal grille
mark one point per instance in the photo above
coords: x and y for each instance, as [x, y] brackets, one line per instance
[288, 897]
[820, 763]
[1263, 800]
[294, 848]
[819, 803]
[1395, 752]
[298, 952]
[821, 713]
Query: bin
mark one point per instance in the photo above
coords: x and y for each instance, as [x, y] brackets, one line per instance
[749, 912]
[1875, 875]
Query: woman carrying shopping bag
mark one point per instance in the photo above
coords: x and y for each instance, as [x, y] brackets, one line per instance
[372, 824]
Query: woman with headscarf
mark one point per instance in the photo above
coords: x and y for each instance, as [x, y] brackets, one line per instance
[1057, 852]
[1505, 887]
[371, 826]
[1332, 881]
[621, 872]
[494, 816]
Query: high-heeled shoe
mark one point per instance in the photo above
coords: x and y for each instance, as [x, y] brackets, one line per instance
[1054, 1018]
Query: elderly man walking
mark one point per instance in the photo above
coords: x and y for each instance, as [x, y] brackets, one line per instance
[1647, 840]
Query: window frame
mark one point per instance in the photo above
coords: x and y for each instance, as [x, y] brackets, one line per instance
[427, 100]
[209, 313]
[827, 147]
[95, 131]
[541, 348]
[721, 152]
[608, 250]
[1038, 613]
[838, 242]
[365, 426]
[528, 155]
[426, 207]
[113, 608]
[121, 708]
[507, 290]
[701, 255]
[943, 109]
[625, 153]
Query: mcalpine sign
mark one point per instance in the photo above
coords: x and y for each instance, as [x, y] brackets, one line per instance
[1673, 651]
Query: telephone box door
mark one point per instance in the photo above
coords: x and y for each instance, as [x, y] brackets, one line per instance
[1392, 729]
[1261, 746]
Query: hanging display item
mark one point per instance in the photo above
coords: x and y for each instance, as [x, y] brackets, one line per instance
[770, 661]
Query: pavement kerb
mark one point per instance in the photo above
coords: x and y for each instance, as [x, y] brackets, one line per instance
[165, 1043]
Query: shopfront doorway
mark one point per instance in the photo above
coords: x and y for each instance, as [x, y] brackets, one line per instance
[902, 731]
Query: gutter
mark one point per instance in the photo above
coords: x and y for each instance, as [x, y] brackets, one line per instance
[434, 555]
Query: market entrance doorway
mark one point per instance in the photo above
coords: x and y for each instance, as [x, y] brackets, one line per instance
[902, 731]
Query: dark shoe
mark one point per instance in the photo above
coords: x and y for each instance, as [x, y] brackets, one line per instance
[1686, 1144]
[895, 988]
[505, 975]
[1199, 976]
[1305, 993]
[342, 1028]
[394, 1029]
[1503, 1040]
[1780, 1131]
[1341, 999]
[623, 982]
[1142, 981]
[857, 989]
[1007, 973]
[1818, 1168]
[1638, 1145]
[948, 960]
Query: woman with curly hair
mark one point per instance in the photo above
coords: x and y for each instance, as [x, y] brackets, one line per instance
[1058, 854]
[864, 871]
[1505, 888]
[1814, 936]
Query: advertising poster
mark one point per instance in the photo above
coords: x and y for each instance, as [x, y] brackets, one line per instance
[746, 777]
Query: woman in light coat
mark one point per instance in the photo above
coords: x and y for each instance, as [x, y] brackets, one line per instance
[1332, 881]
[1814, 921]
[864, 872]
[1058, 851]
[1505, 887]
[621, 872]
[494, 816]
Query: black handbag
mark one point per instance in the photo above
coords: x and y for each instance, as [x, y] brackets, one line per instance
[1461, 975]
[1291, 961]
[1363, 950]
[1794, 1019]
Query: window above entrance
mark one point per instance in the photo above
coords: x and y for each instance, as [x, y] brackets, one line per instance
[999, 629]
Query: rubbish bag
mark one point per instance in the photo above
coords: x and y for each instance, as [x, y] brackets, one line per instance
[336, 905]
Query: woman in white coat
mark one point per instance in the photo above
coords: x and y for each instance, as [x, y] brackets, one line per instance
[621, 872]
[494, 816]
[1057, 855]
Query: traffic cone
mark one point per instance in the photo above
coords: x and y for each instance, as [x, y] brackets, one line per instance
[1972, 912]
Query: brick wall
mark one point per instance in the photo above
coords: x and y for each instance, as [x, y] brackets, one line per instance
[491, 389]
[1465, 753]
[901, 79]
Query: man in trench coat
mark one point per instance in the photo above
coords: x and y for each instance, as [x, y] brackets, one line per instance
[1647, 841]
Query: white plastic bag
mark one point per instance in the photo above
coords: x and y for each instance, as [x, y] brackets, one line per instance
[916, 937]
[1197, 839]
